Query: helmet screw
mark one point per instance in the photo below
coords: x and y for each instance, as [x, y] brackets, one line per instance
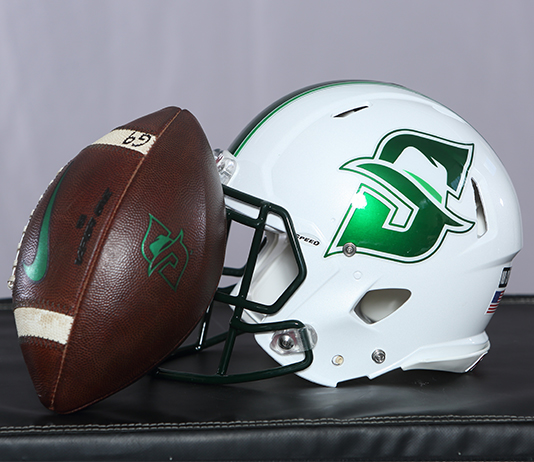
[338, 360]
[286, 342]
[379, 356]
[349, 249]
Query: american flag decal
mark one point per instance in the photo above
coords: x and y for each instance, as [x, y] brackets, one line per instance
[495, 302]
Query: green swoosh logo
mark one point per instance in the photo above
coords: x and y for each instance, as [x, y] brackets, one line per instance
[37, 269]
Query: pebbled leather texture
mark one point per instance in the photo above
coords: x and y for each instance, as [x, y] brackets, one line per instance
[134, 251]
[487, 414]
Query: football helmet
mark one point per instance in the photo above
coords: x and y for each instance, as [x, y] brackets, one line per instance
[385, 229]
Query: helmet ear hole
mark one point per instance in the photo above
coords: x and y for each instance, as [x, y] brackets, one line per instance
[379, 304]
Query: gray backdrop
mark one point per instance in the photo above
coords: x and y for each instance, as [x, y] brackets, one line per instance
[70, 71]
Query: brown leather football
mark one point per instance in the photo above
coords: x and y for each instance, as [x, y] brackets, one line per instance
[120, 259]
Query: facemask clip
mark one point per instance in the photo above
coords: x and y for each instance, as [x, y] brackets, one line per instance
[226, 165]
[291, 341]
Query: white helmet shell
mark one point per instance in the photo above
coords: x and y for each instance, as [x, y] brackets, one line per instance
[407, 220]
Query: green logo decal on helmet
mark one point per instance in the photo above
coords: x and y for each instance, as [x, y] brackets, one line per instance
[399, 210]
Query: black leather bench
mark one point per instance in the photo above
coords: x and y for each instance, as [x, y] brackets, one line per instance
[487, 414]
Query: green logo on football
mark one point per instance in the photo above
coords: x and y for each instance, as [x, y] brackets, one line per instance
[165, 254]
[400, 208]
[37, 269]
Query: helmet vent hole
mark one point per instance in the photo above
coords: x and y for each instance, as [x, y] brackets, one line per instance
[482, 223]
[349, 112]
[377, 305]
